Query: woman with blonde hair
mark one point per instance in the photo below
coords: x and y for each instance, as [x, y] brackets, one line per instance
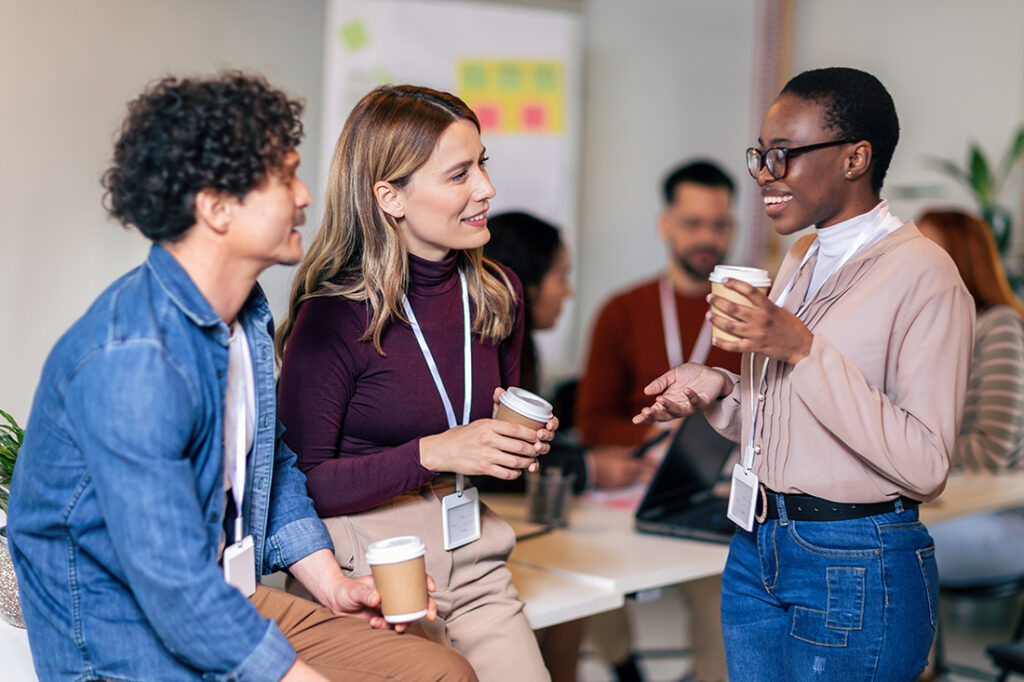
[399, 338]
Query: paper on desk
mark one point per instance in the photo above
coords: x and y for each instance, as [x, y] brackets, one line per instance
[622, 498]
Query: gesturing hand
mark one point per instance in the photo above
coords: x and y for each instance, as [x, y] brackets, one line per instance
[683, 391]
[763, 327]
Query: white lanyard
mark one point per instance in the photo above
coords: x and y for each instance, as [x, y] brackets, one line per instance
[467, 355]
[755, 398]
[236, 474]
[670, 324]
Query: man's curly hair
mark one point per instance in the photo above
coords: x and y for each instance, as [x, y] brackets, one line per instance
[182, 136]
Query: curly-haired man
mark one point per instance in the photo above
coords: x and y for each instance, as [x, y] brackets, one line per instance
[153, 486]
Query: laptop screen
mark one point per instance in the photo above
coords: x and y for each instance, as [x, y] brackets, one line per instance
[690, 469]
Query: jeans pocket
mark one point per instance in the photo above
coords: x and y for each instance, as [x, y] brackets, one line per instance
[845, 597]
[930, 575]
[811, 625]
[844, 611]
[852, 539]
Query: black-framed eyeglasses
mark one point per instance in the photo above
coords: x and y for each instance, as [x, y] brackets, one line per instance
[775, 158]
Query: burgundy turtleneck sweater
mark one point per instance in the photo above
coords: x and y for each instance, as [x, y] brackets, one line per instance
[353, 417]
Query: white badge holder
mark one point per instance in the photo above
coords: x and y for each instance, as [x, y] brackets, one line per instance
[460, 518]
[239, 561]
[743, 497]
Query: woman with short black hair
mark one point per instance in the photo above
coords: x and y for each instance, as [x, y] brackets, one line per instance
[852, 386]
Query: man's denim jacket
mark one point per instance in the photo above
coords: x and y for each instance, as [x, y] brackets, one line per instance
[118, 495]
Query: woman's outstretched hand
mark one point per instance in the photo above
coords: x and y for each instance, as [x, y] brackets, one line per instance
[763, 327]
[683, 391]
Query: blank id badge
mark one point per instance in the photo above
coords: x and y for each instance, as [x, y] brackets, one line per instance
[460, 518]
[239, 571]
[743, 497]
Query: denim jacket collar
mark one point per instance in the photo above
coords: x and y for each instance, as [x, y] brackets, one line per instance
[184, 293]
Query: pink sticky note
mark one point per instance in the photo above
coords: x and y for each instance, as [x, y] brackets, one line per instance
[534, 116]
[489, 116]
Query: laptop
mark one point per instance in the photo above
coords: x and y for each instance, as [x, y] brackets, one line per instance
[681, 499]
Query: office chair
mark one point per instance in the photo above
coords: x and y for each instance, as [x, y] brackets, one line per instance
[990, 590]
[1009, 656]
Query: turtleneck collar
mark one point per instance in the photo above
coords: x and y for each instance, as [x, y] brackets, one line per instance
[431, 278]
[838, 243]
[835, 239]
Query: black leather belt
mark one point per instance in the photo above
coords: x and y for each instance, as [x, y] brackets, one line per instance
[810, 508]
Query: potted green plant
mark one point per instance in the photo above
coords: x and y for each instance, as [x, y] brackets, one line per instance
[985, 182]
[11, 436]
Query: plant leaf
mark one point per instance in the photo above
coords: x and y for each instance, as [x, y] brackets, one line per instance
[949, 168]
[12, 425]
[1010, 156]
[981, 178]
[11, 437]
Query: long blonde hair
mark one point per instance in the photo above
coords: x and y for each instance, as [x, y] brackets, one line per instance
[359, 252]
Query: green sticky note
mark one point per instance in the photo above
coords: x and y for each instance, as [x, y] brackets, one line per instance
[510, 77]
[545, 77]
[474, 76]
[353, 35]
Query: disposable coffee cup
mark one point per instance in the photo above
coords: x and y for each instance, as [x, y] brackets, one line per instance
[519, 406]
[755, 277]
[399, 570]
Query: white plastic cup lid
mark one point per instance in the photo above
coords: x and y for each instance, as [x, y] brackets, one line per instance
[755, 277]
[530, 405]
[395, 550]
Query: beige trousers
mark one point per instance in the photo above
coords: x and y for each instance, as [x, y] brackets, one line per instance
[610, 637]
[479, 611]
[347, 648]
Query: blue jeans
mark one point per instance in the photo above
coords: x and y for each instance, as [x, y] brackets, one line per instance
[830, 600]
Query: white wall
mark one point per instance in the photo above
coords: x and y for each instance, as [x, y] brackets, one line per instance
[666, 81]
[67, 69]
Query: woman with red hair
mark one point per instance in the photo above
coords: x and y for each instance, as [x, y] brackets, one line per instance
[985, 547]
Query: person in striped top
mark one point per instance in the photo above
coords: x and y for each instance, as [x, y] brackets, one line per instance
[992, 431]
[984, 547]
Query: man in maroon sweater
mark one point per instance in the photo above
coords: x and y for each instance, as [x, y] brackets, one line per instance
[631, 345]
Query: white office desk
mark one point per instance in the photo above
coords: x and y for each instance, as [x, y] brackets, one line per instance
[968, 493]
[552, 598]
[601, 547]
